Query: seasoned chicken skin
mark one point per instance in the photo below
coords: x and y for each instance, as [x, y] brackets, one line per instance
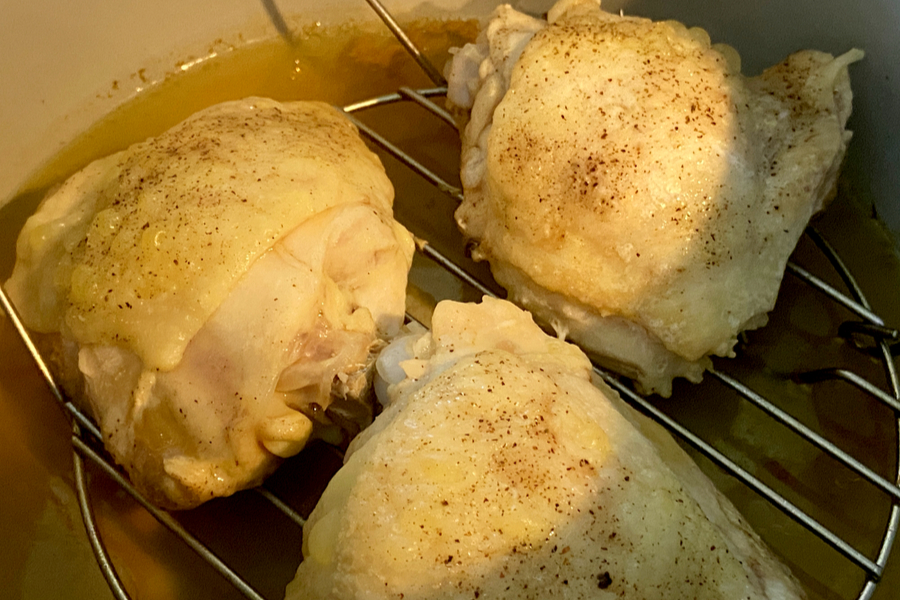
[215, 294]
[632, 188]
[498, 470]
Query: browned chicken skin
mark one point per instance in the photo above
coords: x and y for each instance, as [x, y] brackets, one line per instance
[632, 188]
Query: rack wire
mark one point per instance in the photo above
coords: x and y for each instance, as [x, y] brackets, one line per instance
[868, 333]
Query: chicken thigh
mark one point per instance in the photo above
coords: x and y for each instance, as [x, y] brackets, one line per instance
[632, 188]
[498, 470]
[215, 295]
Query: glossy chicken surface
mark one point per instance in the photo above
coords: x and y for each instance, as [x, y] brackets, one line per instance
[215, 295]
[499, 470]
[632, 188]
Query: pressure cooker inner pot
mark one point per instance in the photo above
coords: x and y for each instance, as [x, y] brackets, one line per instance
[99, 77]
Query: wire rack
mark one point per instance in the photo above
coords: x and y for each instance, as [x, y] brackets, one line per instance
[864, 331]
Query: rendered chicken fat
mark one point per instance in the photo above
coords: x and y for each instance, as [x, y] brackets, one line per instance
[499, 470]
[630, 187]
[217, 293]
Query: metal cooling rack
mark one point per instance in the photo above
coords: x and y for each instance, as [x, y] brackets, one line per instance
[868, 331]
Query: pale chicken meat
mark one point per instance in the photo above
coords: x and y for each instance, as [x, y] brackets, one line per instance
[216, 295]
[632, 188]
[498, 469]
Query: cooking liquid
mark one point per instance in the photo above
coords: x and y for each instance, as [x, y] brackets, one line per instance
[47, 553]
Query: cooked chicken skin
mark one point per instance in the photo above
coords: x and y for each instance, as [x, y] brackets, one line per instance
[631, 188]
[497, 470]
[217, 293]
